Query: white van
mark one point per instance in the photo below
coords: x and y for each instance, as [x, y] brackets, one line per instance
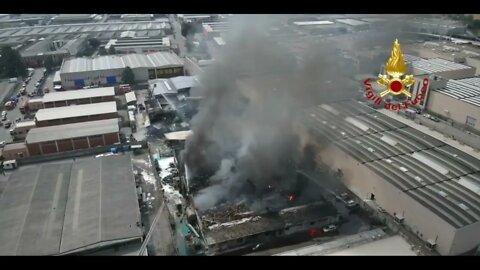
[9, 164]
[12, 80]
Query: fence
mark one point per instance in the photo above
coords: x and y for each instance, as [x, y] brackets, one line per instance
[72, 154]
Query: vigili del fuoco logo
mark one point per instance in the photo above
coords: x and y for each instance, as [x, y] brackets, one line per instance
[396, 82]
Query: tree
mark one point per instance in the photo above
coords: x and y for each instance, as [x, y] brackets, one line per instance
[49, 65]
[94, 43]
[11, 63]
[127, 76]
[111, 50]
[102, 51]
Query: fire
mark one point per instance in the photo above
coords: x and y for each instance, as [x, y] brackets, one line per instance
[291, 197]
[396, 65]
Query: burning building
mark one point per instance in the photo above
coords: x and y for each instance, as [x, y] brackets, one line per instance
[235, 226]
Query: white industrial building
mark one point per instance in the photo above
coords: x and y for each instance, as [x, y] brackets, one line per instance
[139, 45]
[440, 67]
[431, 188]
[107, 70]
[458, 100]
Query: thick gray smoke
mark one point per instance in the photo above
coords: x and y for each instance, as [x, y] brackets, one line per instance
[245, 137]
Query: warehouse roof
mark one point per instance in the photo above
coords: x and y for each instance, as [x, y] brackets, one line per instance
[152, 60]
[467, 90]
[62, 207]
[79, 94]
[172, 85]
[75, 130]
[351, 22]
[76, 111]
[414, 162]
[437, 65]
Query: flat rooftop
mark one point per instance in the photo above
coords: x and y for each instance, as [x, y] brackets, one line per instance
[421, 166]
[79, 94]
[76, 111]
[76, 130]
[62, 207]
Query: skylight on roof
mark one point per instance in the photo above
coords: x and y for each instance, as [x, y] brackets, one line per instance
[442, 193]
[357, 123]
[429, 162]
[330, 109]
[463, 206]
[391, 141]
[418, 179]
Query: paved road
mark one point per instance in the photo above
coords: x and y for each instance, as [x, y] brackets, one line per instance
[12, 115]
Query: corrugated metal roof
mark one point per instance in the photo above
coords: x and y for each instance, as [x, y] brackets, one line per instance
[76, 130]
[54, 208]
[438, 176]
[467, 90]
[153, 60]
[437, 65]
[78, 94]
[76, 111]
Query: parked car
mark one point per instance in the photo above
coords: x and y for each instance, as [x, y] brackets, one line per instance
[31, 94]
[2, 144]
[330, 229]
[7, 124]
[381, 210]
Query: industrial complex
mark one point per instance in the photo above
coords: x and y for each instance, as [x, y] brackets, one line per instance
[221, 134]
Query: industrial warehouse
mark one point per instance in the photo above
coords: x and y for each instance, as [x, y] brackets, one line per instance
[87, 96]
[81, 207]
[61, 138]
[107, 70]
[77, 113]
[416, 178]
[458, 100]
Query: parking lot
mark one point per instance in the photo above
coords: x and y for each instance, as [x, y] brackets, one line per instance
[14, 114]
